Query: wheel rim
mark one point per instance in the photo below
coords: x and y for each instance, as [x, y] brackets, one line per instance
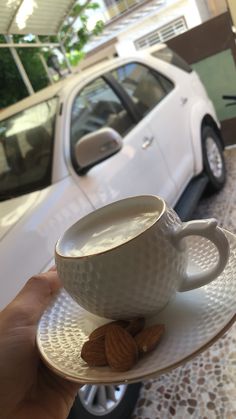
[100, 400]
[214, 157]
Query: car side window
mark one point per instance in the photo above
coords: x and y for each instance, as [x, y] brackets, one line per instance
[169, 56]
[97, 106]
[26, 149]
[145, 86]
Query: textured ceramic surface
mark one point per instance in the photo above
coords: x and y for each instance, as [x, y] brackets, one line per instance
[193, 320]
[149, 267]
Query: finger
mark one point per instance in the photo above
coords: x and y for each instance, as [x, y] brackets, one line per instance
[35, 296]
[44, 284]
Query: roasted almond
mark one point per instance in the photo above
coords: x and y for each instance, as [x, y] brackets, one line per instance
[101, 331]
[135, 325]
[93, 352]
[121, 349]
[148, 339]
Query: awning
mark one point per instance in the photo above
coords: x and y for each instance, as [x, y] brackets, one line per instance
[38, 17]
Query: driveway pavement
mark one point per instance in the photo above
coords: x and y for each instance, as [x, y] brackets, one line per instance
[204, 388]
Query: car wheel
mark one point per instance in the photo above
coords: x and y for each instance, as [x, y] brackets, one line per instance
[105, 402]
[213, 159]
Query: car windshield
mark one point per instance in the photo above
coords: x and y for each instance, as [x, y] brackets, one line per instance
[26, 146]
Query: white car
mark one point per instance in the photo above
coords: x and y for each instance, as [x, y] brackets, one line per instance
[130, 126]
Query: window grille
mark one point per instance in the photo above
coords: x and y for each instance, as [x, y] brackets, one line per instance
[162, 34]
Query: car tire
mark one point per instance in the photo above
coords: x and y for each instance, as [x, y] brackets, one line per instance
[213, 159]
[122, 408]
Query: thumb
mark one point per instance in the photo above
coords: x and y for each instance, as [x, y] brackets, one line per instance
[34, 298]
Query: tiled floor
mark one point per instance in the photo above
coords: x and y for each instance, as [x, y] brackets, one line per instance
[204, 388]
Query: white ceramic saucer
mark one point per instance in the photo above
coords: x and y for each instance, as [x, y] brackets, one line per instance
[194, 320]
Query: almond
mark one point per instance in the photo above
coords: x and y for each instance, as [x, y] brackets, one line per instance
[148, 339]
[101, 331]
[136, 325]
[121, 349]
[93, 352]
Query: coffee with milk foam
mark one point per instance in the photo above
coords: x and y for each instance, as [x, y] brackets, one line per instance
[105, 234]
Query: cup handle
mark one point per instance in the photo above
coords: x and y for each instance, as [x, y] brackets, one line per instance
[210, 230]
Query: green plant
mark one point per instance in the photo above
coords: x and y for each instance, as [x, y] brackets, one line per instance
[75, 40]
[74, 35]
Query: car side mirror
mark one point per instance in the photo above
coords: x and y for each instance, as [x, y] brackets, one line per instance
[97, 146]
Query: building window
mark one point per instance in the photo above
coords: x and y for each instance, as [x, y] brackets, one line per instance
[117, 7]
[162, 34]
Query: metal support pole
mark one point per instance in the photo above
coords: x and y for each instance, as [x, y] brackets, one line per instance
[45, 66]
[29, 45]
[20, 67]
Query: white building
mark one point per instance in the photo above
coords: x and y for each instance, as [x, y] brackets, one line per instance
[135, 23]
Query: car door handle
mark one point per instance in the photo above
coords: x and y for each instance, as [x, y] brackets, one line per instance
[183, 100]
[147, 142]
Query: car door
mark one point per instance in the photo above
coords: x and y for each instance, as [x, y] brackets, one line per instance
[138, 168]
[163, 103]
[171, 125]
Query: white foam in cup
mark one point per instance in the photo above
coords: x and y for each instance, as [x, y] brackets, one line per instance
[110, 232]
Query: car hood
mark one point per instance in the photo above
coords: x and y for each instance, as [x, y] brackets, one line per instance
[13, 210]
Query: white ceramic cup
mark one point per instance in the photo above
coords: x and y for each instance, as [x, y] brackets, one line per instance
[129, 258]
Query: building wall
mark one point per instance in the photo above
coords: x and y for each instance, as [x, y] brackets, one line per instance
[204, 9]
[211, 8]
[186, 8]
[171, 17]
[232, 8]
[217, 7]
[113, 8]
